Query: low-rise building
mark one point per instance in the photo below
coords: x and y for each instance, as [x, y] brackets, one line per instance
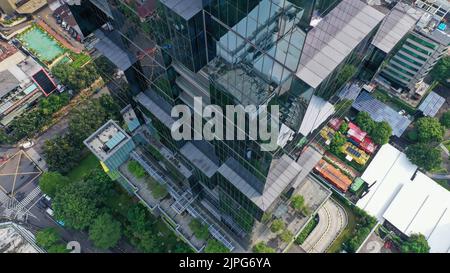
[18, 89]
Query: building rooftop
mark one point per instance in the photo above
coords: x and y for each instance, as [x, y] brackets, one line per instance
[333, 175]
[334, 38]
[106, 140]
[200, 160]
[6, 50]
[184, 8]
[31, 6]
[381, 112]
[283, 172]
[423, 206]
[156, 106]
[401, 19]
[7, 83]
[130, 118]
[16, 239]
[389, 170]
[432, 104]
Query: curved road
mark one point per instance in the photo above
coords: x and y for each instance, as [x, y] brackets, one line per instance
[332, 220]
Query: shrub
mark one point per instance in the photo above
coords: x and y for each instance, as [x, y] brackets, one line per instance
[277, 225]
[136, 169]
[262, 247]
[200, 230]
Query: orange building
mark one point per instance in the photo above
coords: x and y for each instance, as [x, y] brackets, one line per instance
[333, 175]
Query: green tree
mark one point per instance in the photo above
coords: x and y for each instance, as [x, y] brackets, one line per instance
[47, 237]
[381, 133]
[337, 142]
[298, 202]
[139, 230]
[214, 246]
[416, 243]
[200, 230]
[343, 128]
[262, 247]
[105, 232]
[429, 130]
[286, 236]
[50, 182]
[365, 122]
[277, 225]
[57, 248]
[441, 71]
[445, 119]
[74, 207]
[60, 154]
[424, 156]
[76, 78]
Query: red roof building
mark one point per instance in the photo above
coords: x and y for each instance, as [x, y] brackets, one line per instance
[368, 145]
[355, 133]
[336, 123]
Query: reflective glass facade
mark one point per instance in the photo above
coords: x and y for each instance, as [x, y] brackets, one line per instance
[229, 52]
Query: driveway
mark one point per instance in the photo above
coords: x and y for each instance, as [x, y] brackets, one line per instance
[332, 220]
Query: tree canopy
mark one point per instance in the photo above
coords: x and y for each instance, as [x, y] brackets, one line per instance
[429, 130]
[445, 119]
[424, 156]
[76, 78]
[381, 132]
[50, 182]
[416, 243]
[365, 122]
[105, 232]
[50, 240]
[337, 142]
[441, 71]
[214, 246]
[262, 247]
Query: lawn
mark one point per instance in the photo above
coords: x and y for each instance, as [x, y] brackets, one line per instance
[86, 165]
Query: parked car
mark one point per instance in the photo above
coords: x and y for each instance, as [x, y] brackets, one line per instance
[50, 212]
[27, 144]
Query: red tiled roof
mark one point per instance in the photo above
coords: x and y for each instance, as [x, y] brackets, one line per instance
[355, 132]
[368, 145]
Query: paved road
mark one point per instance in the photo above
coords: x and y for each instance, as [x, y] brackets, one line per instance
[332, 220]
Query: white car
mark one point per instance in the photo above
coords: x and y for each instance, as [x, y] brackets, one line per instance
[48, 198]
[27, 144]
[50, 212]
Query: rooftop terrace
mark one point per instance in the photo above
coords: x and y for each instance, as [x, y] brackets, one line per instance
[106, 140]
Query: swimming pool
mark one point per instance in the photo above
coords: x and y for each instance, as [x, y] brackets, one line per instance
[42, 44]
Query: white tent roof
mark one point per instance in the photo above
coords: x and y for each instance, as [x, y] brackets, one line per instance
[423, 206]
[317, 113]
[386, 174]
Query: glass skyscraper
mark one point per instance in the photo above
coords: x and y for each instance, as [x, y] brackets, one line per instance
[230, 52]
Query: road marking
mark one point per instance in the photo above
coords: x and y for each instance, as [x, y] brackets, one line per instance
[15, 176]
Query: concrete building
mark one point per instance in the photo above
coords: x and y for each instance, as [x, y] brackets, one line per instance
[17, 239]
[111, 145]
[18, 91]
[412, 40]
[22, 6]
